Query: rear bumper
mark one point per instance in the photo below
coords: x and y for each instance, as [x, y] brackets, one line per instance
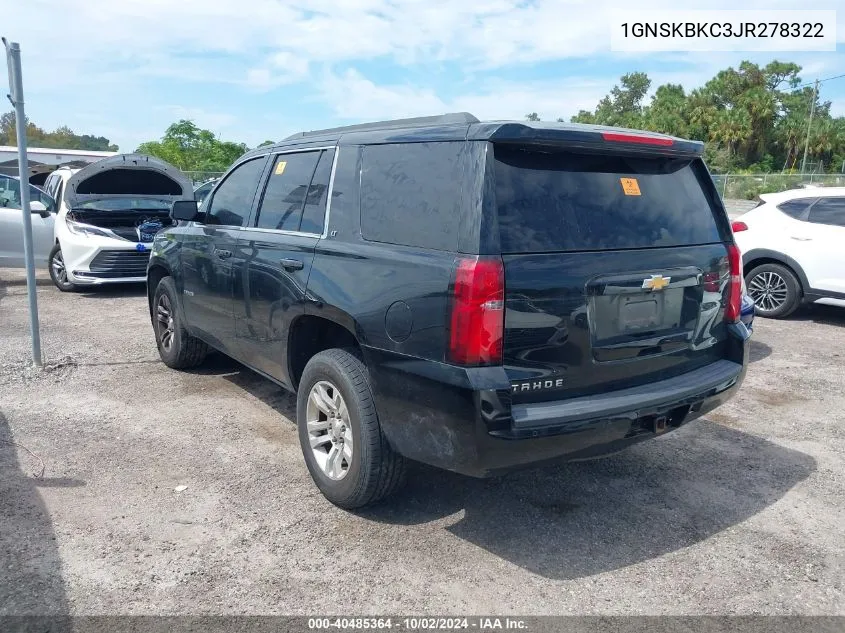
[461, 419]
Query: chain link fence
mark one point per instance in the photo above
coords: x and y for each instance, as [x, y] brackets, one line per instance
[749, 186]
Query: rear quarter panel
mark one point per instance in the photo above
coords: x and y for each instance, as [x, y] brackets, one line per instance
[394, 297]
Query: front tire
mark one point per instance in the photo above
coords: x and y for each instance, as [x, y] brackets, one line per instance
[177, 348]
[344, 448]
[58, 270]
[775, 289]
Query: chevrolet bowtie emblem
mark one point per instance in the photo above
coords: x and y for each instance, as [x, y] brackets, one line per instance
[656, 282]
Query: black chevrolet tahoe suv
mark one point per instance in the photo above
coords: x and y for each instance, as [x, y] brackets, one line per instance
[475, 296]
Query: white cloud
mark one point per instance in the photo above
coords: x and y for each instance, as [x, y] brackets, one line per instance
[353, 96]
[486, 33]
[282, 68]
[356, 97]
[102, 47]
[203, 118]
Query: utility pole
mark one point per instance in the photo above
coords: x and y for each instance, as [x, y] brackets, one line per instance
[13, 59]
[809, 125]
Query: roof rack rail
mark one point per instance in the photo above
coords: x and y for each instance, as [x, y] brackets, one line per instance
[454, 118]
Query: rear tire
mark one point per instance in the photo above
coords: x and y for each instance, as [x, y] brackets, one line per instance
[177, 348]
[58, 271]
[775, 289]
[336, 415]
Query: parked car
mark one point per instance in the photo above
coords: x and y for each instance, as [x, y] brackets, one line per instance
[419, 284]
[792, 249]
[42, 208]
[202, 191]
[108, 214]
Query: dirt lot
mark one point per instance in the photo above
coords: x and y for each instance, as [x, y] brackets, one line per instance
[738, 513]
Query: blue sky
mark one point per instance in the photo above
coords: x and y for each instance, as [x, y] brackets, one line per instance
[262, 69]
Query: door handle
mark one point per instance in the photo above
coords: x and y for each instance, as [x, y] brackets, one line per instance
[291, 264]
[800, 238]
[222, 254]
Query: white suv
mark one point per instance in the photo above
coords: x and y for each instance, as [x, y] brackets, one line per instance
[793, 249]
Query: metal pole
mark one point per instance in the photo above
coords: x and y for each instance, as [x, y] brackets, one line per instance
[13, 59]
[809, 125]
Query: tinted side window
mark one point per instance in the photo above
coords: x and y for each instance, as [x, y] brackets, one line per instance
[796, 208]
[60, 191]
[314, 214]
[50, 185]
[233, 198]
[411, 194]
[828, 211]
[10, 193]
[284, 195]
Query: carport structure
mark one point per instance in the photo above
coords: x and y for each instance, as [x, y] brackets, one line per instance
[41, 160]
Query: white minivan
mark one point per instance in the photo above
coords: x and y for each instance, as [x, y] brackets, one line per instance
[108, 214]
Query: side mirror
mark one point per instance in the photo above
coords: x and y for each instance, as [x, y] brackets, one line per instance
[36, 206]
[184, 210]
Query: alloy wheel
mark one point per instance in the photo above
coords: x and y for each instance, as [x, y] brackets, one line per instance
[59, 270]
[166, 324]
[769, 290]
[329, 431]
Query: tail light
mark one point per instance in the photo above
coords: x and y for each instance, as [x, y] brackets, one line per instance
[734, 289]
[478, 312]
[736, 227]
[640, 139]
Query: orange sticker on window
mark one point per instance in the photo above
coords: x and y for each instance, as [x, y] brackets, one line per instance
[630, 186]
[280, 167]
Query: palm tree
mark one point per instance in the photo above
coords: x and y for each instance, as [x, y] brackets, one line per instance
[762, 106]
[731, 127]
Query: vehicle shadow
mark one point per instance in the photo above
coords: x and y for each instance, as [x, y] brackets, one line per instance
[574, 520]
[759, 351]
[19, 282]
[271, 394]
[31, 577]
[817, 313]
[579, 519]
[115, 291]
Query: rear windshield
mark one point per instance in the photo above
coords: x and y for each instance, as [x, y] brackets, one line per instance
[554, 201]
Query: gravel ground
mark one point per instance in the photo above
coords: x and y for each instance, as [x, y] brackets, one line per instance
[173, 493]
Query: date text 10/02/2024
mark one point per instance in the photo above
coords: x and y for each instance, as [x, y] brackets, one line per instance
[418, 624]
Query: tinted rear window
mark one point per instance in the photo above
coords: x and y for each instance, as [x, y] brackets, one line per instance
[796, 208]
[411, 194]
[569, 202]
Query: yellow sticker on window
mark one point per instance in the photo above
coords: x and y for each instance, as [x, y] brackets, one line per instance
[280, 167]
[630, 186]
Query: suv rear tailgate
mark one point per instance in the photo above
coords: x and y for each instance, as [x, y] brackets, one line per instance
[615, 270]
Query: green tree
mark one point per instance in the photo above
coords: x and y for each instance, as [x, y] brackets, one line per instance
[731, 128]
[60, 138]
[751, 116]
[190, 148]
[623, 107]
[668, 111]
[532, 116]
